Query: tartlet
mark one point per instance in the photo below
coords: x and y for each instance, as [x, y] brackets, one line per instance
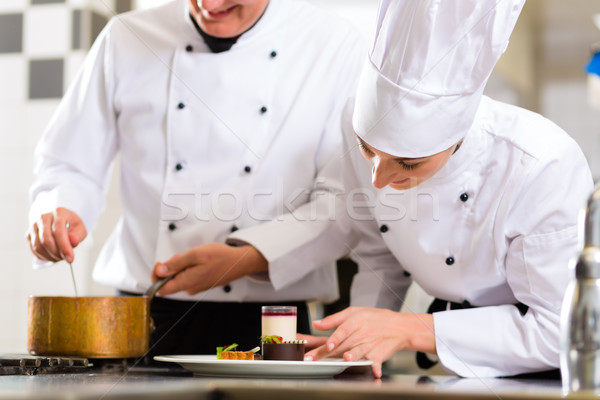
[230, 353]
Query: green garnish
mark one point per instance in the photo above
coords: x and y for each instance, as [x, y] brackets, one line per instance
[271, 339]
[228, 348]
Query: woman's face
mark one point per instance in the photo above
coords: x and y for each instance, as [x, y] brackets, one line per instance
[226, 18]
[402, 173]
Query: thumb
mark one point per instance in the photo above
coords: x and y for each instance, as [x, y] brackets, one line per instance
[170, 267]
[77, 233]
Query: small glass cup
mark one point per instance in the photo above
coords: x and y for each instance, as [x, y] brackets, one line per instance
[280, 321]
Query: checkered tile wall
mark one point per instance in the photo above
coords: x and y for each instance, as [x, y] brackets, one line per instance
[48, 39]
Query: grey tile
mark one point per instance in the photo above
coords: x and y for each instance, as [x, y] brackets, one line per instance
[76, 33]
[46, 1]
[46, 78]
[11, 33]
[98, 22]
[123, 6]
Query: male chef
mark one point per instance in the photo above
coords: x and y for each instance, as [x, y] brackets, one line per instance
[225, 115]
[475, 200]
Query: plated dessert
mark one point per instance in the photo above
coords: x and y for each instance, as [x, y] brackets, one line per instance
[274, 348]
[280, 347]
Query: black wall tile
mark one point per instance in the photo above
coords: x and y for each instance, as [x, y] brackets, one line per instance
[123, 6]
[76, 33]
[11, 33]
[46, 78]
[46, 1]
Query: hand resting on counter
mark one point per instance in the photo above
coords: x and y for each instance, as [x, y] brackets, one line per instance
[374, 334]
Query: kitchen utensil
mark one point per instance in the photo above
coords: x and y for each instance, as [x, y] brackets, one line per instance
[73, 278]
[71, 266]
[92, 327]
[580, 316]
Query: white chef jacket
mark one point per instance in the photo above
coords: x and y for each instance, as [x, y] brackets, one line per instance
[497, 225]
[208, 143]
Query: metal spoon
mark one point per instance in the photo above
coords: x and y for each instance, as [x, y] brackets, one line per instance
[155, 287]
[71, 267]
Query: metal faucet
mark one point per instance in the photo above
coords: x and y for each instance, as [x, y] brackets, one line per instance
[580, 316]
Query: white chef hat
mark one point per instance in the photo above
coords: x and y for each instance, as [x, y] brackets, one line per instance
[424, 79]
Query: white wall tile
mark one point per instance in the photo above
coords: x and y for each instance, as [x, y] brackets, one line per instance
[73, 63]
[14, 223]
[37, 116]
[47, 31]
[19, 340]
[11, 283]
[564, 102]
[13, 340]
[12, 5]
[13, 79]
[52, 281]
[12, 182]
[56, 280]
[78, 3]
[12, 128]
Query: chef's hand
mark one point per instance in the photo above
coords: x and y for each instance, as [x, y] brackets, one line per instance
[312, 342]
[207, 266]
[374, 334]
[49, 238]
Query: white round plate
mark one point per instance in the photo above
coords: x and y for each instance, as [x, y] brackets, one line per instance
[209, 365]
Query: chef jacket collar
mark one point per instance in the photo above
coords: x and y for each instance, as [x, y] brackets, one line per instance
[218, 44]
[192, 36]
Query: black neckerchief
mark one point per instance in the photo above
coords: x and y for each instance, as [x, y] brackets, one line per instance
[217, 44]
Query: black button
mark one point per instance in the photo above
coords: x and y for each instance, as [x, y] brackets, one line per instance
[189, 48]
[234, 228]
[172, 226]
[406, 274]
[227, 288]
[450, 260]
[263, 109]
[180, 106]
[383, 228]
[273, 54]
[464, 197]
[247, 169]
[179, 167]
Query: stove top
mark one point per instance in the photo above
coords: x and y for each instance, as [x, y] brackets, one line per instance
[25, 364]
[18, 364]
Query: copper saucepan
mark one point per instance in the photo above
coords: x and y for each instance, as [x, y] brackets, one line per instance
[91, 327]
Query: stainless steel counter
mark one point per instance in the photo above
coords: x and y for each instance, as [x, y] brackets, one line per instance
[154, 385]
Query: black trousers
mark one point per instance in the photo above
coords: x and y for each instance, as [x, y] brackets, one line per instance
[190, 327]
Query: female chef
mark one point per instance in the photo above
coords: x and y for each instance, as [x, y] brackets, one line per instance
[475, 200]
[225, 114]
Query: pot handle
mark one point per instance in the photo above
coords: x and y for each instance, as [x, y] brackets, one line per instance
[157, 285]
